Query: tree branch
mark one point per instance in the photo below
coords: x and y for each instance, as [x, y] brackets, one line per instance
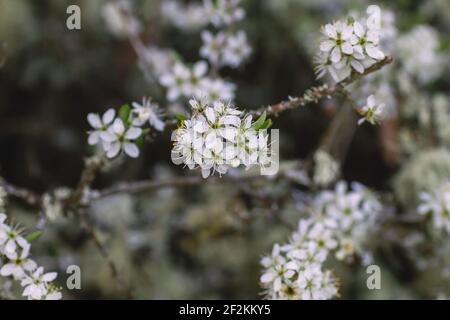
[316, 94]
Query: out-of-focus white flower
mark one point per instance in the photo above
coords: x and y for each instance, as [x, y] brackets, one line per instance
[147, 112]
[213, 46]
[225, 49]
[418, 53]
[340, 223]
[100, 125]
[326, 168]
[437, 205]
[158, 61]
[184, 81]
[236, 49]
[224, 12]
[372, 112]
[119, 20]
[216, 89]
[118, 138]
[190, 16]
[294, 271]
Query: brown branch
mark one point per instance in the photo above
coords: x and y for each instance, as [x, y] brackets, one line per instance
[178, 182]
[92, 166]
[30, 197]
[316, 94]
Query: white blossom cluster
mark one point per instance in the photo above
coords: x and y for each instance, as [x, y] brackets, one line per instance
[294, 271]
[350, 213]
[15, 262]
[418, 52]
[340, 223]
[117, 134]
[347, 46]
[218, 137]
[188, 82]
[437, 205]
[227, 47]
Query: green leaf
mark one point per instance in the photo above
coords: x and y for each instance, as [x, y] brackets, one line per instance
[141, 140]
[33, 236]
[260, 122]
[180, 119]
[267, 124]
[124, 112]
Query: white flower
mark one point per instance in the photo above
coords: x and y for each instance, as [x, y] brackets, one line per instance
[418, 51]
[372, 112]
[190, 16]
[118, 138]
[14, 252]
[18, 265]
[437, 205]
[182, 81]
[147, 112]
[337, 40]
[36, 285]
[347, 46]
[216, 90]
[213, 46]
[365, 42]
[158, 61]
[216, 137]
[100, 125]
[236, 49]
[224, 12]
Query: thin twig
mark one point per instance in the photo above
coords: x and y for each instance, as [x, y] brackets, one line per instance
[30, 197]
[316, 94]
[178, 182]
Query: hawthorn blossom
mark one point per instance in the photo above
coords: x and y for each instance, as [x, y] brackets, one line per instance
[118, 138]
[147, 112]
[372, 112]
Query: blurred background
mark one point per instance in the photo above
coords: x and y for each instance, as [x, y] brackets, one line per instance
[206, 241]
